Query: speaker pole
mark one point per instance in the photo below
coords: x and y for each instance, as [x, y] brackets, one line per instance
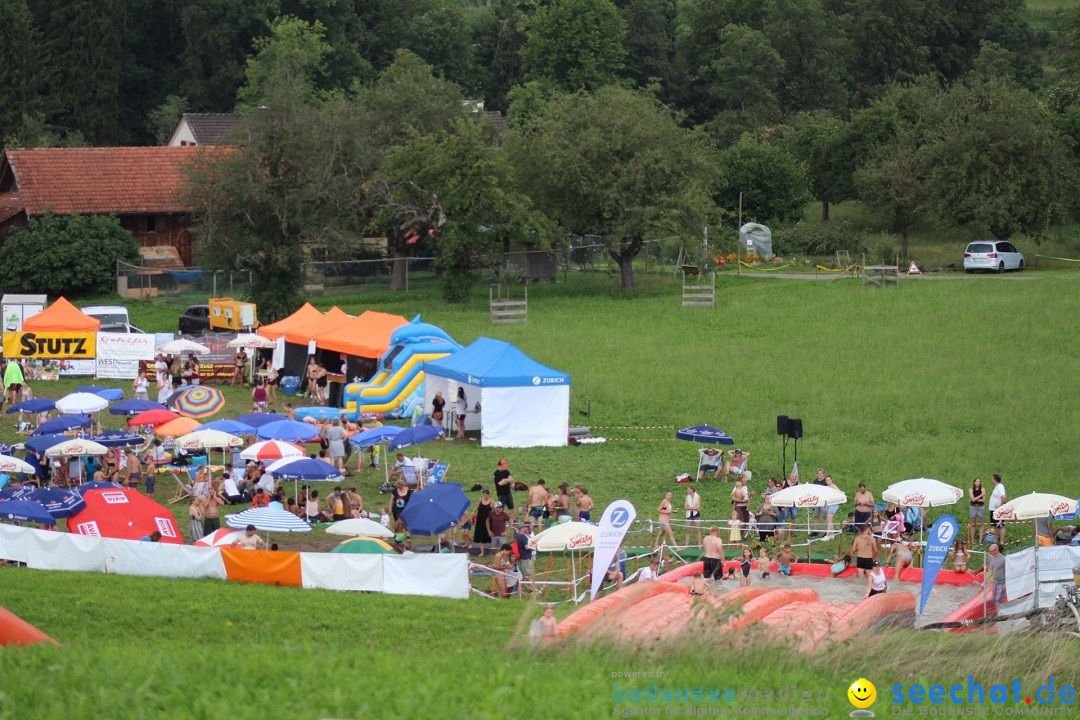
[783, 465]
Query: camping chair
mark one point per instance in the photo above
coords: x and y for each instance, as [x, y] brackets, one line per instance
[738, 469]
[436, 472]
[183, 492]
[708, 462]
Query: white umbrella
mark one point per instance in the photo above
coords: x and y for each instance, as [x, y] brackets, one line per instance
[80, 403]
[252, 342]
[177, 347]
[356, 527]
[76, 447]
[1034, 506]
[922, 492]
[273, 450]
[800, 496]
[567, 536]
[10, 464]
[207, 439]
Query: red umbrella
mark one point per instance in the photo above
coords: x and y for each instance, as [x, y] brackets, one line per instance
[152, 417]
[126, 514]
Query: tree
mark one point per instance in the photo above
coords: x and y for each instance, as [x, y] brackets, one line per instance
[745, 77]
[575, 44]
[770, 178]
[25, 69]
[823, 144]
[893, 184]
[455, 189]
[997, 163]
[162, 120]
[616, 164]
[650, 41]
[500, 35]
[293, 56]
[81, 256]
[806, 38]
[889, 43]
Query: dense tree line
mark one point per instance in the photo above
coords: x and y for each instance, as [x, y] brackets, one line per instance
[629, 119]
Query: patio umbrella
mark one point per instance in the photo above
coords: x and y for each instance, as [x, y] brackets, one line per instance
[303, 468]
[257, 420]
[157, 416]
[179, 347]
[704, 434]
[252, 342]
[356, 527]
[289, 431]
[203, 439]
[922, 492]
[110, 394]
[25, 511]
[134, 406]
[1034, 506]
[233, 427]
[222, 537]
[124, 513]
[268, 520]
[95, 485]
[41, 443]
[32, 406]
[436, 508]
[58, 502]
[198, 402]
[62, 424]
[80, 403]
[808, 496]
[118, 438]
[76, 447]
[13, 465]
[415, 436]
[365, 546]
[272, 450]
[374, 436]
[566, 536]
[176, 428]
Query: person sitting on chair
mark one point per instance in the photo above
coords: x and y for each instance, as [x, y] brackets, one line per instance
[709, 459]
[735, 465]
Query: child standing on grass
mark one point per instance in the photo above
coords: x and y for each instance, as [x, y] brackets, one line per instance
[384, 518]
[259, 398]
[735, 534]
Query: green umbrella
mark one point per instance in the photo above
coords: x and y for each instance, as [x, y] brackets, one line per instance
[364, 546]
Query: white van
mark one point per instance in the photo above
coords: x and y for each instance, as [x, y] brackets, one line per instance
[108, 314]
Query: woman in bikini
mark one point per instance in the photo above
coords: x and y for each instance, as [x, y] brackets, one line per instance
[663, 512]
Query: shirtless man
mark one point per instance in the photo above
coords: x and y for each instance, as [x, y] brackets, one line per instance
[714, 554]
[538, 500]
[663, 513]
[864, 505]
[211, 511]
[864, 550]
[134, 468]
[584, 504]
[692, 506]
[249, 540]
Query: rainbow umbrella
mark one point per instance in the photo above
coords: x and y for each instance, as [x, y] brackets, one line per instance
[199, 401]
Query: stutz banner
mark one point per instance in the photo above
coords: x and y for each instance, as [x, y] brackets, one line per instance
[76, 345]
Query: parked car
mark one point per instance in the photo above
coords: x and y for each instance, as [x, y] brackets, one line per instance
[195, 320]
[120, 328]
[108, 314]
[992, 256]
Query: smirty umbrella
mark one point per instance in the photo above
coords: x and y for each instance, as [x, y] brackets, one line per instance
[268, 520]
[62, 424]
[415, 436]
[58, 502]
[198, 402]
[176, 428]
[356, 527]
[808, 496]
[252, 342]
[13, 466]
[118, 438]
[435, 508]
[922, 492]
[257, 420]
[566, 536]
[41, 443]
[222, 537]
[364, 546]
[289, 431]
[203, 439]
[110, 394]
[78, 402]
[1034, 506]
[272, 450]
[179, 347]
[25, 511]
[32, 406]
[150, 418]
[76, 447]
[134, 406]
[233, 427]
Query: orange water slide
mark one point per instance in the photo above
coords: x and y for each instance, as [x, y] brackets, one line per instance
[16, 631]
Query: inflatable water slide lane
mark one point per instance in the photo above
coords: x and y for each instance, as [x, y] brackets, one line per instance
[401, 369]
[16, 631]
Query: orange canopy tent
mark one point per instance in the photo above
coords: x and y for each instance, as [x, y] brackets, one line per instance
[306, 316]
[333, 318]
[367, 335]
[61, 316]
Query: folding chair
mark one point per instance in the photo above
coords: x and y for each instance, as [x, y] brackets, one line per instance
[436, 472]
[183, 492]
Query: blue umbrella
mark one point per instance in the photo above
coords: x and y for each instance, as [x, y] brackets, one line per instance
[257, 420]
[374, 436]
[15, 492]
[415, 436]
[110, 394]
[57, 502]
[96, 485]
[436, 508]
[233, 427]
[704, 434]
[41, 443]
[289, 431]
[118, 438]
[134, 406]
[25, 511]
[62, 424]
[303, 469]
[32, 406]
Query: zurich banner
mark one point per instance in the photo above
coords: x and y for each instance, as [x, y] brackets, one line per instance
[937, 549]
[613, 527]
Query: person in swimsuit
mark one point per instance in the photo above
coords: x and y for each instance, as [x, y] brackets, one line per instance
[663, 512]
[787, 557]
[875, 581]
[901, 551]
[864, 550]
[976, 511]
[744, 564]
[698, 586]
[584, 504]
[692, 506]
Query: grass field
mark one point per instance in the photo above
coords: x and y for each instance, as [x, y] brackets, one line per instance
[947, 378]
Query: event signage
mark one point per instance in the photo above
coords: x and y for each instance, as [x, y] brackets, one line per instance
[937, 549]
[616, 521]
[119, 354]
[50, 345]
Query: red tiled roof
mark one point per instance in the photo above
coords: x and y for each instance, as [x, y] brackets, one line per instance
[103, 180]
[10, 204]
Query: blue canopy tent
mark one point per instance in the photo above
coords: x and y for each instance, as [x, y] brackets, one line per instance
[523, 403]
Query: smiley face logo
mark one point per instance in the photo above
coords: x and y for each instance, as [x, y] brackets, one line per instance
[862, 695]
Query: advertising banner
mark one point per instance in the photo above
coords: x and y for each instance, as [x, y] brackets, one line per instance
[937, 549]
[73, 345]
[618, 516]
[119, 354]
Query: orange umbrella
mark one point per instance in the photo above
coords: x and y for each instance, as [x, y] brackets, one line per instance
[177, 427]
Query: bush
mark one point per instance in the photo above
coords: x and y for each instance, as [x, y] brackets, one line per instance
[817, 238]
[68, 255]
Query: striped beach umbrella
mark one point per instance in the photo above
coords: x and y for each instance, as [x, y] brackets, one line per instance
[199, 401]
[272, 450]
[267, 519]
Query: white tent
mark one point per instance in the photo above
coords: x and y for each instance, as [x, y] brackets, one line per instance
[523, 403]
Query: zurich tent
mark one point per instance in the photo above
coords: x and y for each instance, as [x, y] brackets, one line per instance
[523, 403]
